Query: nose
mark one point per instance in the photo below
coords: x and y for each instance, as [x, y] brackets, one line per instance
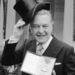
[41, 29]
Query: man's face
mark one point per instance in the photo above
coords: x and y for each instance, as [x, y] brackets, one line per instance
[42, 27]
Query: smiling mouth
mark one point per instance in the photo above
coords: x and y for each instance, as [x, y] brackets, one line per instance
[41, 35]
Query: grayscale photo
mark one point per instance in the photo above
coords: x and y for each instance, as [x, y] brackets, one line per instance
[37, 37]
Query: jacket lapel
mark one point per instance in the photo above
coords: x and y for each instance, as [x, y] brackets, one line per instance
[32, 47]
[53, 49]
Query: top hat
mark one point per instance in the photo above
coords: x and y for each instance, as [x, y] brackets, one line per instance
[27, 11]
[39, 7]
[49, 6]
[24, 9]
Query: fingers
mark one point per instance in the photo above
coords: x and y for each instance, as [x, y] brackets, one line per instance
[19, 23]
[11, 69]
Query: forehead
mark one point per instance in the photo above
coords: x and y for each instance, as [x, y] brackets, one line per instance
[42, 16]
[42, 12]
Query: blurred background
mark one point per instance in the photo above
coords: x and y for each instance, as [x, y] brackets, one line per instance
[64, 26]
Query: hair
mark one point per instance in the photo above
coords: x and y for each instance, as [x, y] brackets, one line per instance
[22, 39]
[41, 12]
[26, 36]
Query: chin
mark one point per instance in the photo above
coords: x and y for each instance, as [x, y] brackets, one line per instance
[41, 40]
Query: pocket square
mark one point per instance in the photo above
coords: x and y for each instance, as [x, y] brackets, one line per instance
[58, 63]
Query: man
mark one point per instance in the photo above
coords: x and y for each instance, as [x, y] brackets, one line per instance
[41, 28]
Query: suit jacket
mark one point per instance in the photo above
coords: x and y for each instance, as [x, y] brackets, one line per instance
[63, 53]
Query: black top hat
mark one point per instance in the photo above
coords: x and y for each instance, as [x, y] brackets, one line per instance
[40, 6]
[24, 9]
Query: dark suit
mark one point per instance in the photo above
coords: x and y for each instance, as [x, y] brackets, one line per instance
[63, 53]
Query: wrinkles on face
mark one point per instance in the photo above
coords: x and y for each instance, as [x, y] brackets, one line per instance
[42, 27]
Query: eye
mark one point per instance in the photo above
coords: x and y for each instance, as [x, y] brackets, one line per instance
[19, 27]
[36, 26]
[45, 26]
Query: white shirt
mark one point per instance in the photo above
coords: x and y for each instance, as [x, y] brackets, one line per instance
[45, 45]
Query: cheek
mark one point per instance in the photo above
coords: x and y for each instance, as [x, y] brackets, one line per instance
[34, 31]
[20, 32]
[49, 30]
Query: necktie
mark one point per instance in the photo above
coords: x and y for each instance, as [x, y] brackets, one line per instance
[39, 49]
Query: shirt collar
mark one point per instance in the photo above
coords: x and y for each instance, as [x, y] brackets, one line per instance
[45, 45]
